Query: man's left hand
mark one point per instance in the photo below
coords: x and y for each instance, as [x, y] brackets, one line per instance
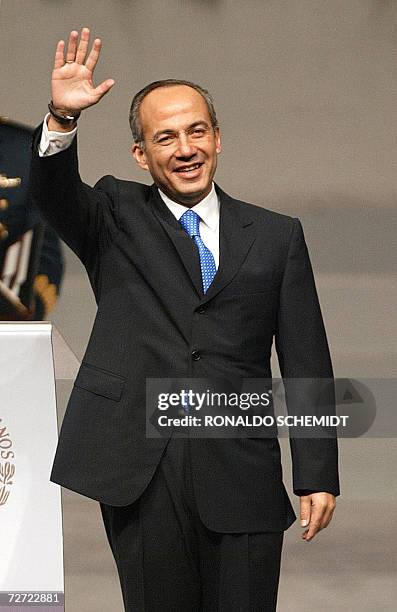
[316, 512]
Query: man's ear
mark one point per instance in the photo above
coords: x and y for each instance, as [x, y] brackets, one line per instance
[218, 142]
[139, 155]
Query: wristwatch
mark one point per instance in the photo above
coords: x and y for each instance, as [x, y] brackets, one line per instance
[68, 119]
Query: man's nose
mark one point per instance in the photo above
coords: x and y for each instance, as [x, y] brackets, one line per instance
[185, 147]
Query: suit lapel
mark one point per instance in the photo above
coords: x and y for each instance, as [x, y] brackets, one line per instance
[236, 236]
[184, 246]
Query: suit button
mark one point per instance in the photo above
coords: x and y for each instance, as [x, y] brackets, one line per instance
[201, 309]
[196, 355]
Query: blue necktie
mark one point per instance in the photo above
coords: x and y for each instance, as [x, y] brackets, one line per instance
[190, 222]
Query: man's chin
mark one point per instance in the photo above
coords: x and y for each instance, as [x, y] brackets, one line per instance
[190, 194]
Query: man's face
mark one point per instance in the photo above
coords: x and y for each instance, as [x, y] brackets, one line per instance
[181, 147]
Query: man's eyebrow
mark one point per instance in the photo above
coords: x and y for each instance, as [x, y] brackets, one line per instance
[157, 135]
[197, 123]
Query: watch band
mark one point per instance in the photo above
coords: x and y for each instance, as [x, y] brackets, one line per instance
[63, 119]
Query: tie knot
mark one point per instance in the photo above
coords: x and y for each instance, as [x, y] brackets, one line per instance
[190, 222]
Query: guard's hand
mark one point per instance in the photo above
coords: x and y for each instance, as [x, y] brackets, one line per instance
[72, 87]
[316, 512]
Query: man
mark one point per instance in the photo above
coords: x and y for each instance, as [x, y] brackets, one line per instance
[189, 283]
[17, 217]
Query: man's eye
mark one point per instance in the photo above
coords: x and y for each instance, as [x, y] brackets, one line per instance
[198, 132]
[165, 140]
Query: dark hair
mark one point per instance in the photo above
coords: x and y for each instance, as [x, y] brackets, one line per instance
[135, 123]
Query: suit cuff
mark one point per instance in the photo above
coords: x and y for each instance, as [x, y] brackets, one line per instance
[53, 142]
[301, 492]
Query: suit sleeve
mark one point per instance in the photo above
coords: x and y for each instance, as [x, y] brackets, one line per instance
[303, 354]
[86, 218]
[47, 283]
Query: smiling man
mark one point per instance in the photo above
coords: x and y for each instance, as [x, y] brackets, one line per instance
[189, 282]
[176, 138]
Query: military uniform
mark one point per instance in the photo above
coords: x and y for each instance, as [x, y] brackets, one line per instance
[17, 215]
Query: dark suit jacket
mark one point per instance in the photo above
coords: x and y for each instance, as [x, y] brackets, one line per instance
[152, 315]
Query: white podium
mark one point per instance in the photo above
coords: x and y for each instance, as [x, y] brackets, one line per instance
[31, 543]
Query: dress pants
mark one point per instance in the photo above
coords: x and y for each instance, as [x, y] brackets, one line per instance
[169, 561]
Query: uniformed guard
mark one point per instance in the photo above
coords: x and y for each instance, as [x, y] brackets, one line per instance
[40, 289]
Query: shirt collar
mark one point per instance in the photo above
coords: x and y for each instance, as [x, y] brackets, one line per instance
[207, 208]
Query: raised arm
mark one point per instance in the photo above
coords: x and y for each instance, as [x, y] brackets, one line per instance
[72, 87]
[84, 217]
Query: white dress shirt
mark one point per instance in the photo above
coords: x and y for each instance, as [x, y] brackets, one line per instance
[54, 142]
[207, 209]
